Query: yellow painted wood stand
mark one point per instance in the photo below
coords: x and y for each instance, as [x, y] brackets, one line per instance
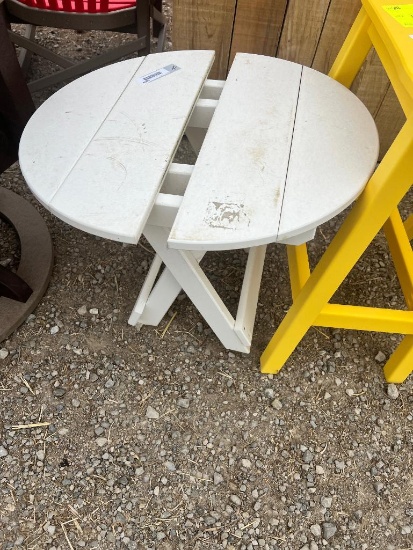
[389, 29]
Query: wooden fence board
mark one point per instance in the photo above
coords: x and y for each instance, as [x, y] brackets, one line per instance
[389, 119]
[301, 31]
[339, 19]
[371, 84]
[205, 25]
[257, 27]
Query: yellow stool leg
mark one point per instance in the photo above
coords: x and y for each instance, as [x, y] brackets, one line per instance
[408, 225]
[353, 51]
[298, 266]
[400, 364]
[402, 254]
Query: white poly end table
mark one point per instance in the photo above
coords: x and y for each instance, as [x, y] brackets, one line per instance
[281, 149]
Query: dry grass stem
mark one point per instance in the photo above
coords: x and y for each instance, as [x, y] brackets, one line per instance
[146, 248]
[26, 384]
[165, 330]
[66, 537]
[28, 426]
[73, 510]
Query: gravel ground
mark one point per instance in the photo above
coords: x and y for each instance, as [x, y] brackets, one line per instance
[161, 439]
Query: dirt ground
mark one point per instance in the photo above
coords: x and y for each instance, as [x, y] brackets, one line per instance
[162, 439]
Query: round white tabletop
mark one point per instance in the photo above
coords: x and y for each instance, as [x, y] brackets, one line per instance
[287, 149]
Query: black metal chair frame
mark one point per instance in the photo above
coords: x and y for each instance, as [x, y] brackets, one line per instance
[19, 292]
[134, 20]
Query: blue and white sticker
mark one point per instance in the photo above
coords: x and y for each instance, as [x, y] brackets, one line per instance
[159, 73]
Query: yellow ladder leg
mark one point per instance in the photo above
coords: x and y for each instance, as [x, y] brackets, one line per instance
[353, 51]
[400, 364]
[408, 225]
[298, 266]
[402, 254]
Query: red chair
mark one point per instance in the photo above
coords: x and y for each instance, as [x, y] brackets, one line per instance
[125, 16]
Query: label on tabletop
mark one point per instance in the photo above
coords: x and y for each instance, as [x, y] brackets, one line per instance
[403, 13]
[159, 73]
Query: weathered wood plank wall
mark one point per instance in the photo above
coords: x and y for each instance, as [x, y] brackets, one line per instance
[305, 31]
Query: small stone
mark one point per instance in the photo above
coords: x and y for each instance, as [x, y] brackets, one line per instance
[54, 330]
[235, 500]
[316, 530]
[122, 481]
[170, 466]
[326, 502]
[3, 452]
[307, 456]
[392, 391]
[378, 487]
[277, 405]
[183, 403]
[329, 530]
[59, 392]
[380, 357]
[246, 463]
[3, 353]
[82, 310]
[109, 383]
[94, 311]
[51, 529]
[100, 441]
[358, 514]
[40, 455]
[218, 478]
[151, 413]
[319, 470]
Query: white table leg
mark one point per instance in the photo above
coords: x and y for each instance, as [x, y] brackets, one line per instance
[185, 269]
[141, 303]
[247, 307]
[154, 301]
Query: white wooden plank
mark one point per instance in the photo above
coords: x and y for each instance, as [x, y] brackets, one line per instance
[333, 154]
[234, 198]
[212, 89]
[107, 186]
[58, 132]
[247, 307]
[176, 179]
[235, 193]
[140, 303]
